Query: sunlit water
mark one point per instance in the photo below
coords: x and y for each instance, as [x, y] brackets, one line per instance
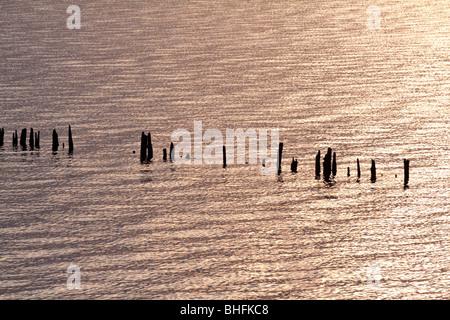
[162, 231]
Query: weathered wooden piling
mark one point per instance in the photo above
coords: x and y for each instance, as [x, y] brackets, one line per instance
[31, 141]
[334, 167]
[2, 136]
[224, 152]
[70, 140]
[294, 164]
[23, 139]
[280, 156]
[55, 143]
[406, 171]
[318, 164]
[164, 154]
[143, 147]
[171, 155]
[348, 171]
[14, 139]
[373, 172]
[149, 147]
[37, 137]
[327, 165]
[358, 168]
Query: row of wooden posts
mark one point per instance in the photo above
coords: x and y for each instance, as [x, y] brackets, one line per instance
[34, 140]
[329, 161]
[330, 167]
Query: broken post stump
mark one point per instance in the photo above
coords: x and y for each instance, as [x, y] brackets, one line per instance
[55, 143]
[14, 139]
[406, 171]
[31, 141]
[23, 139]
[373, 172]
[36, 139]
[164, 154]
[224, 152]
[327, 165]
[294, 164]
[2, 136]
[149, 147]
[280, 156]
[143, 147]
[171, 155]
[318, 164]
[70, 140]
[334, 167]
[358, 168]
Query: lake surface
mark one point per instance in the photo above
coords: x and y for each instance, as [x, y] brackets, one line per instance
[312, 69]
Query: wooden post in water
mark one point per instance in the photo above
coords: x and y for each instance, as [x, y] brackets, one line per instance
[36, 139]
[23, 139]
[373, 172]
[171, 155]
[14, 139]
[327, 165]
[280, 156]
[31, 139]
[406, 171]
[149, 147]
[334, 170]
[224, 152]
[318, 164]
[70, 140]
[143, 147]
[358, 168]
[348, 171]
[2, 136]
[164, 154]
[55, 143]
[294, 164]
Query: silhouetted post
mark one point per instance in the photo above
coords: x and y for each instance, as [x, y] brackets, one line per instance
[31, 139]
[334, 164]
[373, 172]
[14, 139]
[70, 140]
[280, 156]
[359, 168]
[2, 136]
[224, 151]
[143, 147]
[327, 165]
[149, 147]
[23, 139]
[348, 171]
[294, 164]
[36, 139]
[406, 169]
[171, 155]
[55, 143]
[318, 164]
[164, 154]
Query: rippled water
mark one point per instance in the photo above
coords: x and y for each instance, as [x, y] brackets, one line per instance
[162, 231]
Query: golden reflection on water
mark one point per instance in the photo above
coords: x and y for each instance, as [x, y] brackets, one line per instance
[162, 231]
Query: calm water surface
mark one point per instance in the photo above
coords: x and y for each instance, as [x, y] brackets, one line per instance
[163, 231]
